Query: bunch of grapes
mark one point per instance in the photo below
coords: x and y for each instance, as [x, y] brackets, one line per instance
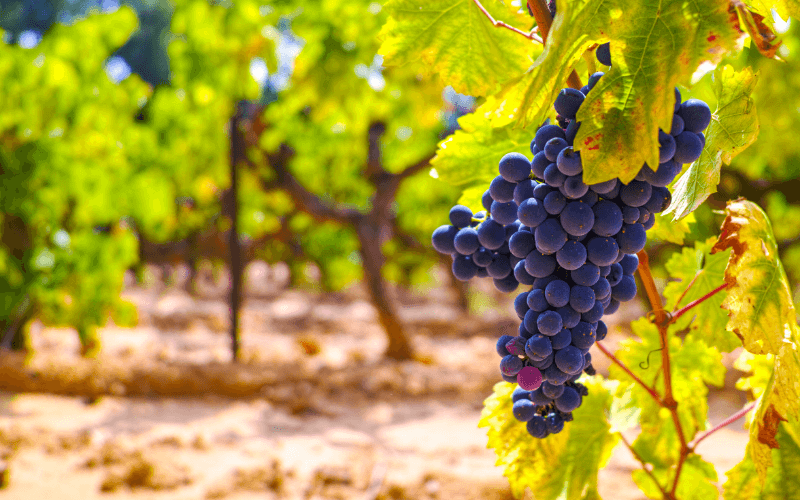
[573, 244]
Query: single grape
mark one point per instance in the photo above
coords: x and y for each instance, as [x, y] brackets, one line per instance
[539, 265]
[501, 189]
[543, 364]
[581, 298]
[625, 289]
[538, 346]
[574, 187]
[537, 427]
[509, 378]
[511, 365]
[514, 167]
[501, 345]
[664, 174]
[636, 193]
[568, 102]
[696, 115]
[553, 147]
[443, 239]
[569, 359]
[569, 400]
[572, 255]
[521, 304]
[530, 322]
[614, 275]
[562, 339]
[629, 263]
[659, 200]
[536, 300]
[603, 54]
[491, 234]
[524, 190]
[504, 213]
[557, 293]
[688, 147]
[516, 346]
[631, 238]
[500, 267]
[602, 251]
[554, 423]
[521, 244]
[549, 237]
[549, 323]
[463, 268]
[529, 378]
[546, 133]
[586, 275]
[607, 218]
[466, 241]
[569, 316]
[554, 203]
[630, 215]
[553, 177]
[583, 336]
[602, 331]
[577, 218]
[531, 212]
[541, 191]
[612, 307]
[552, 391]
[460, 216]
[604, 187]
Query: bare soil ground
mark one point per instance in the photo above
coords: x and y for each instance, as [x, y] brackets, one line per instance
[312, 411]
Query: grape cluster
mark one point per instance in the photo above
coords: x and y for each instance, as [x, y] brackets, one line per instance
[574, 244]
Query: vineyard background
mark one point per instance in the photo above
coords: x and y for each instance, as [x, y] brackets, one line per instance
[214, 248]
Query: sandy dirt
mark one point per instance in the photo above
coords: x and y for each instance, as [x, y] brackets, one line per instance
[312, 412]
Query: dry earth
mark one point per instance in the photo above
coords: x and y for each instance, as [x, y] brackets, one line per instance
[313, 412]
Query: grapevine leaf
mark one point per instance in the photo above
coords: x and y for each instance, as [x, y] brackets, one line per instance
[734, 126]
[782, 479]
[759, 297]
[454, 39]
[563, 465]
[758, 369]
[763, 315]
[470, 156]
[621, 115]
[706, 272]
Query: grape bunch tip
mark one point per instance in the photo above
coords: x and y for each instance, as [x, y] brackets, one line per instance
[573, 244]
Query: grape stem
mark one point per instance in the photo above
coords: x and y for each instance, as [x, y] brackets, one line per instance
[500, 24]
[673, 316]
[733, 418]
[627, 370]
[668, 401]
[644, 466]
[544, 21]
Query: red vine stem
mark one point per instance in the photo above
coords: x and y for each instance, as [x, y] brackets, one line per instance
[627, 370]
[501, 24]
[733, 418]
[680, 312]
[669, 400]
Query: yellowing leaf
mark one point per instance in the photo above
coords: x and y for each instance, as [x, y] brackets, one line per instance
[734, 126]
[763, 316]
[621, 115]
[759, 297]
[454, 39]
[782, 480]
[564, 465]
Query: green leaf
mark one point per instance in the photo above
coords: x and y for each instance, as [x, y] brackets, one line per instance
[782, 479]
[763, 315]
[621, 115]
[734, 126]
[665, 229]
[705, 271]
[759, 296]
[563, 465]
[470, 156]
[454, 39]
